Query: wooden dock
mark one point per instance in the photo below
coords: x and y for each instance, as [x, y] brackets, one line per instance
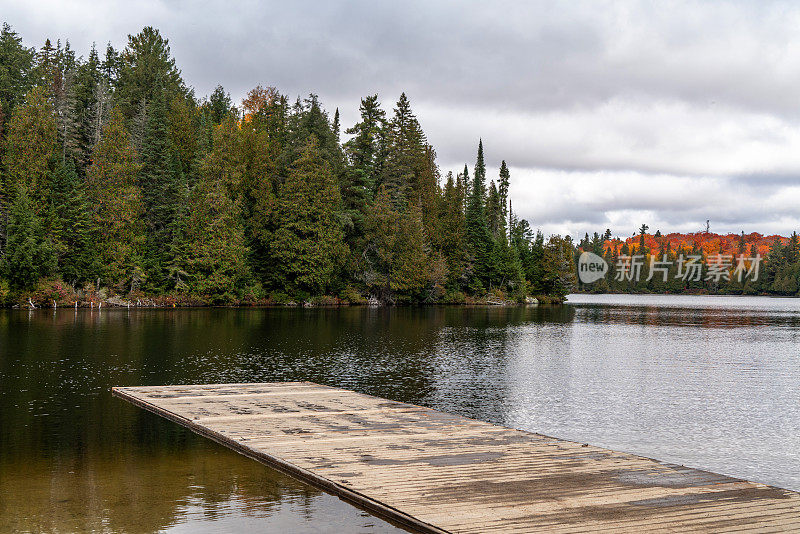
[434, 472]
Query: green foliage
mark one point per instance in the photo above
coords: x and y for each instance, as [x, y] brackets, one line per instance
[71, 230]
[116, 204]
[477, 234]
[16, 64]
[213, 261]
[309, 244]
[29, 148]
[29, 255]
[115, 178]
[147, 71]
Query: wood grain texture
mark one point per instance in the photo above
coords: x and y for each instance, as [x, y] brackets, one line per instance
[435, 472]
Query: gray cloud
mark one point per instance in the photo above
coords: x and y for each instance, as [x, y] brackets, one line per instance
[607, 111]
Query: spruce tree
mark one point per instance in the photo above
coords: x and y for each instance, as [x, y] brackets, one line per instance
[309, 244]
[405, 154]
[220, 105]
[450, 234]
[147, 71]
[116, 203]
[29, 255]
[478, 237]
[16, 66]
[364, 153]
[29, 148]
[505, 180]
[210, 256]
[72, 232]
[163, 186]
[494, 213]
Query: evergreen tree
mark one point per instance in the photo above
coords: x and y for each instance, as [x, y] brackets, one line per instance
[477, 234]
[90, 108]
[364, 153]
[450, 234]
[146, 71]
[164, 188]
[405, 154]
[213, 253]
[72, 231]
[16, 64]
[29, 254]
[263, 147]
[220, 105]
[309, 244]
[494, 213]
[116, 203]
[505, 179]
[29, 149]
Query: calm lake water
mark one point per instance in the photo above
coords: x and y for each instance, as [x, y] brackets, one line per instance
[709, 382]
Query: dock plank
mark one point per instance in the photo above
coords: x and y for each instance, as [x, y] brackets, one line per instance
[435, 472]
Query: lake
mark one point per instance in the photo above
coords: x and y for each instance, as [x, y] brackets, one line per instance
[708, 382]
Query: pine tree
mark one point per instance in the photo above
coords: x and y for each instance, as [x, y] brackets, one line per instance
[505, 180]
[213, 253]
[146, 71]
[72, 231]
[309, 244]
[116, 203]
[29, 149]
[16, 64]
[29, 255]
[478, 237]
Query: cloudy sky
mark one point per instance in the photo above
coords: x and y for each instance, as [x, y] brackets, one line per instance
[609, 114]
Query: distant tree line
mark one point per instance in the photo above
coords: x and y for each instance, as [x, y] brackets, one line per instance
[778, 272]
[117, 179]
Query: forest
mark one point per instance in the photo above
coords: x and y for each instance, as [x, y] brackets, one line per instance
[118, 184]
[778, 270]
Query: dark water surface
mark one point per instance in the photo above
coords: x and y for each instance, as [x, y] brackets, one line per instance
[710, 382]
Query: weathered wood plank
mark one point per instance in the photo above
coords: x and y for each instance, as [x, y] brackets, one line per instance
[436, 472]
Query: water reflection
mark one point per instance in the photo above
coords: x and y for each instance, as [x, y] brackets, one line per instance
[703, 382]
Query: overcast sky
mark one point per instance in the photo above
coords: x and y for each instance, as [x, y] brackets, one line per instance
[609, 114]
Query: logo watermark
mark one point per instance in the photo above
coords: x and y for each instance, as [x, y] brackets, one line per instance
[591, 267]
[718, 267]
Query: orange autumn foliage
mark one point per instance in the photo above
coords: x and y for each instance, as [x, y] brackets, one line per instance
[711, 243]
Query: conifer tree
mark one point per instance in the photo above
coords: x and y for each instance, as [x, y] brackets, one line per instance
[220, 105]
[262, 149]
[72, 230]
[116, 204]
[364, 153]
[164, 188]
[213, 253]
[505, 179]
[90, 108]
[494, 213]
[450, 234]
[405, 154]
[147, 71]
[478, 237]
[29, 254]
[29, 148]
[309, 244]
